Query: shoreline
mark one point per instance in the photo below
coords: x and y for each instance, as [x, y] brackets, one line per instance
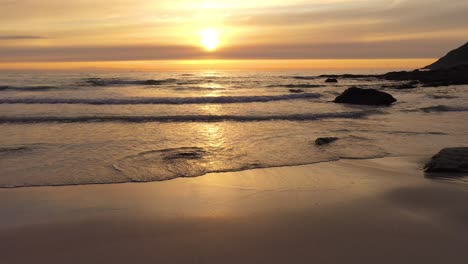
[348, 211]
[213, 172]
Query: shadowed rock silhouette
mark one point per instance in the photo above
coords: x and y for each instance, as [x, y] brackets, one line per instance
[359, 96]
[454, 58]
[449, 160]
[325, 140]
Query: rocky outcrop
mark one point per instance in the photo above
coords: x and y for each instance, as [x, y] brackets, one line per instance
[325, 140]
[359, 96]
[454, 58]
[427, 78]
[451, 69]
[449, 160]
[444, 77]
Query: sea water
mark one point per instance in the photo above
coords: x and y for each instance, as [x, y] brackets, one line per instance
[64, 128]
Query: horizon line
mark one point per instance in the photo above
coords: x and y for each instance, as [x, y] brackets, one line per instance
[226, 64]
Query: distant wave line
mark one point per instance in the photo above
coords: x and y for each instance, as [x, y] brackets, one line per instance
[26, 88]
[444, 108]
[161, 100]
[184, 118]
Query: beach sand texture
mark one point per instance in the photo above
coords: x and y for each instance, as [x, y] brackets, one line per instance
[348, 211]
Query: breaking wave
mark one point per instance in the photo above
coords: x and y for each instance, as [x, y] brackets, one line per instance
[198, 88]
[304, 77]
[117, 81]
[444, 108]
[13, 149]
[161, 100]
[27, 88]
[147, 82]
[187, 118]
[165, 164]
[171, 163]
[304, 85]
[442, 96]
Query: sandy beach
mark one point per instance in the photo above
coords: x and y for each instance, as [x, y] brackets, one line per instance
[348, 211]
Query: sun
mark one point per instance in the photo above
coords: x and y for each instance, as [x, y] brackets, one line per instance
[210, 39]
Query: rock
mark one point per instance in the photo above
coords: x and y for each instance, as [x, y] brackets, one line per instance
[454, 58]
[444, 77]
[331, 80]
[296, 90]
[449, 160]
[355, 95]
[325, 140]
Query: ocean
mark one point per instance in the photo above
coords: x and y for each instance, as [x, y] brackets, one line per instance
[71, 128]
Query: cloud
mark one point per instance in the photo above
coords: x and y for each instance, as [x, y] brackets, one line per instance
[343, 50]
[93, 30]
[18, 37]
[396, 15]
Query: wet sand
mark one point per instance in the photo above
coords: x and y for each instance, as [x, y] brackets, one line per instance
[348, 211]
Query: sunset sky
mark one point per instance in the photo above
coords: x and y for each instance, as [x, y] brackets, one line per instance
[37, 33]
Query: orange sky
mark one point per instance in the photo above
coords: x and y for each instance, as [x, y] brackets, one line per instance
[190, 65]
[166, 34]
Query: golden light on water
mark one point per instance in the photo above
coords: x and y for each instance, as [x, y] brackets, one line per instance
[210, 39]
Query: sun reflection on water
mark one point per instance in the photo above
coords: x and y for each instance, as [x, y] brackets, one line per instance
[211, 109]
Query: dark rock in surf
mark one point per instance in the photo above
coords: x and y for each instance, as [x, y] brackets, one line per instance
[325, 140]
[296, 90]
[331, 80]
[359, 96]
[449, 160]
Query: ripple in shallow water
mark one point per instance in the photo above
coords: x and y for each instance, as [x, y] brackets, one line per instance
[165, 164]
